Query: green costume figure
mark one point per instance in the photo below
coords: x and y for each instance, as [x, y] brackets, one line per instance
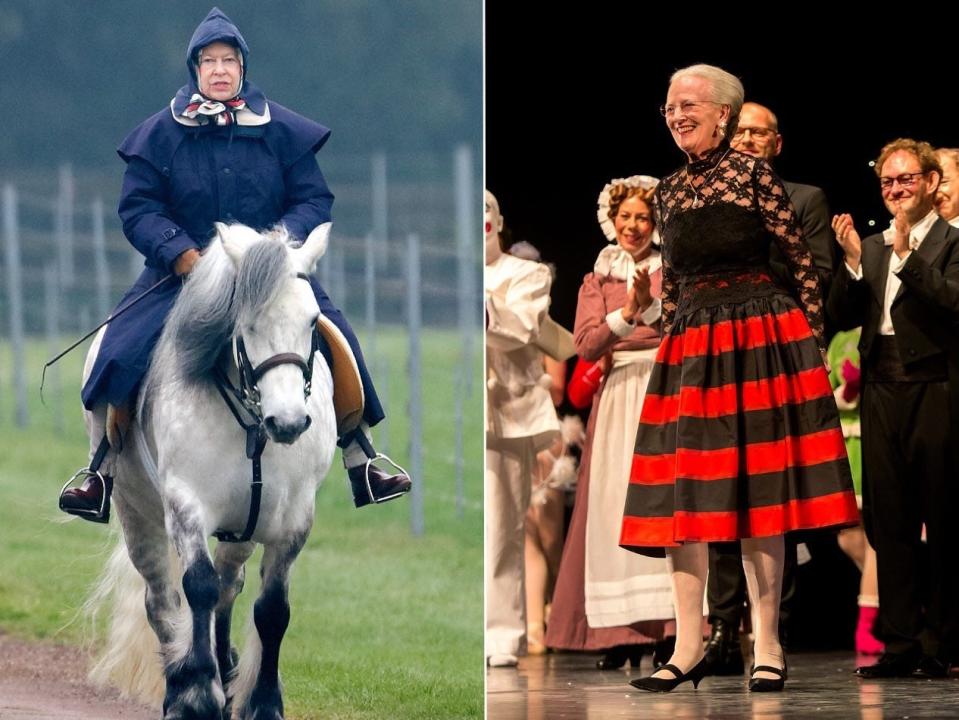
[843, 355]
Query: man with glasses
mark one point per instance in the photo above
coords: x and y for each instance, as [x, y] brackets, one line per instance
[758, 135]
[902, 286]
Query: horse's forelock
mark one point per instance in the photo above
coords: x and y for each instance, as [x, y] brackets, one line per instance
[266, 264]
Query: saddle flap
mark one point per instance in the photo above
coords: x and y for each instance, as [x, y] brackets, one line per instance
[348, 398]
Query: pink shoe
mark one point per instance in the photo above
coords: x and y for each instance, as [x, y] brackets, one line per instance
[866, 642]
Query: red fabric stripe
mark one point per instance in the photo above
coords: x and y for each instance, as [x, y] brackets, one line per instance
[824, 511]
[811, 449]
[727, 335]
[647, 532]
[766, 457]
[653, 469]
[723, 400]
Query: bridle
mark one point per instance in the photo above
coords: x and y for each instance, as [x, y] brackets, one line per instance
[243, 400]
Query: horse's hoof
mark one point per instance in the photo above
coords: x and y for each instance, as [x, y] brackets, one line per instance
[195, 703]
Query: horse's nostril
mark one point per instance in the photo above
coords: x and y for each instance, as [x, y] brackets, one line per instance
[308, 421]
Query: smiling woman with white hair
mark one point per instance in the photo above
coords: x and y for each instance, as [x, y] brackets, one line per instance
[739, 435]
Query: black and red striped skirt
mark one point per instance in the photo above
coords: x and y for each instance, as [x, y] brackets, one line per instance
[739, 434]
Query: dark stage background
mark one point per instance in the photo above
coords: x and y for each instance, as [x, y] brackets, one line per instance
[572, 101]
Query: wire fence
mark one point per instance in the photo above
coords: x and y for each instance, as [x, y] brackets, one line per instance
[404, 257]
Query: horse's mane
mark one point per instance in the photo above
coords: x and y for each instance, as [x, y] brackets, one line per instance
[215, 299]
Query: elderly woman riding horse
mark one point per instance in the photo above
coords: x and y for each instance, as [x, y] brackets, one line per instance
[219, 152]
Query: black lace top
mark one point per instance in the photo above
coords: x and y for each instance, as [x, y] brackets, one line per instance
[716, 216]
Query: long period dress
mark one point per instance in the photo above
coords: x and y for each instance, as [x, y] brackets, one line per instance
[739, 435]
[606, 596]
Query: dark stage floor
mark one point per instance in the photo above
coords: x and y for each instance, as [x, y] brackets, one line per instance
[820, 685]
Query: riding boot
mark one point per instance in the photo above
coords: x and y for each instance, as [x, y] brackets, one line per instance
[91, 500]
[371, 484]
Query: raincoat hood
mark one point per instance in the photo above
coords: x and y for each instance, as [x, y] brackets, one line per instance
[217, 27]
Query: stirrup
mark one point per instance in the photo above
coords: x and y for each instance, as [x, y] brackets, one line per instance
[97, 515]
[366, 478]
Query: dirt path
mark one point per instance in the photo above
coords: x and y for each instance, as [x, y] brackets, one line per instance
[42, 680]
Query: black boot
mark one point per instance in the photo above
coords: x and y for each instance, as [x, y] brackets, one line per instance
[617, 656]
[724, 655]
[663, 651]
[91, 500]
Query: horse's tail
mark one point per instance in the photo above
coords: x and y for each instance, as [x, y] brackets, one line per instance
[243, 682]
[130, 660]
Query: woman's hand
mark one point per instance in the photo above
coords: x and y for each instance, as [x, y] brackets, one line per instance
[639, 297]
[631, 307]
[185, 261]
[642, 285]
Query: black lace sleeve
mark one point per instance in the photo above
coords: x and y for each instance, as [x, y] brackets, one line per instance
[668, 290]
[668, 297]
[781, 222]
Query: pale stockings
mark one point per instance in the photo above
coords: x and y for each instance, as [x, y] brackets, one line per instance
[763, 562]
[689, 567]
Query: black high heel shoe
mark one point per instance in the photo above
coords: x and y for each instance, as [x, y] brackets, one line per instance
[616, 657]
[767, 684]
[654, 684]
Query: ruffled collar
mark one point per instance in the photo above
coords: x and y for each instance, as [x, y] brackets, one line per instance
[616, 263]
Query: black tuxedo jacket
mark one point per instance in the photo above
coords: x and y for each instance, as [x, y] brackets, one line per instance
[925, 311]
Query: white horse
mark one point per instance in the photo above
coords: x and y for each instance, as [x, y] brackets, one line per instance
[187, 475]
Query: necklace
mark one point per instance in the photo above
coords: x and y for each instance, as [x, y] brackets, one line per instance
[698, 202]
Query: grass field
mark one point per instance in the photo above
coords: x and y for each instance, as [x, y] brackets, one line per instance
[384, 624]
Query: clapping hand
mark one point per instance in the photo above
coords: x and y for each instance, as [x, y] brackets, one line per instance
[848, 239]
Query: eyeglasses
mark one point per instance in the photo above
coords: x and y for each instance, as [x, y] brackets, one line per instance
[905, 180]
[685, 107]
[756, 132]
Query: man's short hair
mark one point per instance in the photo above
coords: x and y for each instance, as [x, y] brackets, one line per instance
[922, 150]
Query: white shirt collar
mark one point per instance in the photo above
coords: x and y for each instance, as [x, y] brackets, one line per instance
[917, 233]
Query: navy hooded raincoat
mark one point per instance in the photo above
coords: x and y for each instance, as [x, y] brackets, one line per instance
[181, 177]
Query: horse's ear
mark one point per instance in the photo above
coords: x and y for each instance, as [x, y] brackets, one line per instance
[233, 249]
[309, 253]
